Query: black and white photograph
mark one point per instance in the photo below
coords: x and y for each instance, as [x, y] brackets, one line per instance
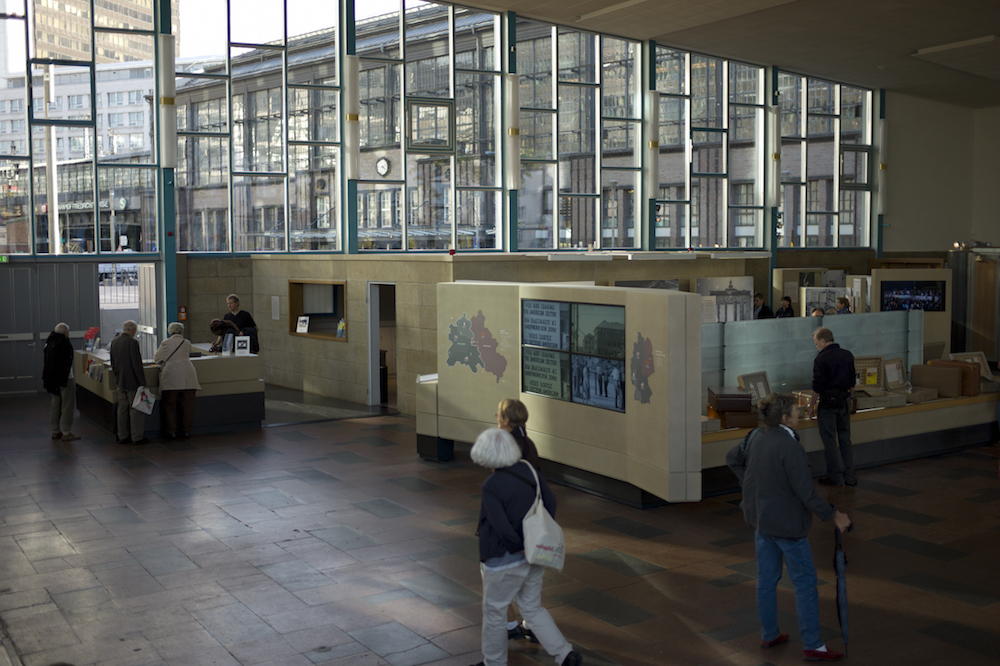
[599, 382]
[822, 298]
[835, 279]
[733, 297]
[599, 330]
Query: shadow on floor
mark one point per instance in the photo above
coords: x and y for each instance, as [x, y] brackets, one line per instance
[284, 406]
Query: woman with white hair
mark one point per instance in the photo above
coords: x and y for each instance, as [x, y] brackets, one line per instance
[507, 495]
[178, 382]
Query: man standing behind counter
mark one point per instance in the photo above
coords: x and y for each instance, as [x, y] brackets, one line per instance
[243, 321]
[126, 363]
[833, 382]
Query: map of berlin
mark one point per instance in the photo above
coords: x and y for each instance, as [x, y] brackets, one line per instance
[473, 345]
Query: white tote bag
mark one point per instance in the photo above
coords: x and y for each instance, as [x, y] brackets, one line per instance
[144, 399]
[543, 538]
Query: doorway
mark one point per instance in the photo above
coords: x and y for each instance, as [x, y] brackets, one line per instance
[382, 345]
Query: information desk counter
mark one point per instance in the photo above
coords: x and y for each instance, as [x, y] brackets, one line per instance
[879, 436]
[231, 395]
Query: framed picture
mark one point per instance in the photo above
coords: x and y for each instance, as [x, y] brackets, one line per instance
[757, 384]
[895, 374]
[242, 345]
[977, 357]
[302, 325]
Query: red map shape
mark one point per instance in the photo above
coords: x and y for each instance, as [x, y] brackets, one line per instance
[487, 344]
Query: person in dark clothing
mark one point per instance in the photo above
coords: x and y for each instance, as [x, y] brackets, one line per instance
[833, 382]
[778, 502]
[242, 323]
[507, 495]
[57, 379]
[843, 305]
[786, 308]
[126, 363]
[761, 311]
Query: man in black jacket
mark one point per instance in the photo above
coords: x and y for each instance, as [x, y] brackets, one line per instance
[507, 495]
[833, 382]
[779, 499]
[57, 378]
[760, 310]
[126, 362]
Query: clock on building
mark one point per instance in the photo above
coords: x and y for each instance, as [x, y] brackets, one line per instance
[382, 166]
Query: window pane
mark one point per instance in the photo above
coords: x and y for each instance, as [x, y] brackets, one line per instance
[429, 126]
[854, 115]
[15, 225]
[258, 214]
[313, 198]
[620, 139]
[576, 222]
[790, 91]
[706, 91]
[577, 56]
[312, 115]
[793, 161]
[202, 178]
[380, 216]
[535, 202]
[673, 122]
[671, 222]
[790, 212]
[577, 126]
[475, 129]
[854, 215]
[534, 64]
[822, 97]
[819, 195]
[475, 39]
[128, 221]
[479, 215]
[745, 226]
[313, 23]
[709, 154]
[258, 140]
[378, 89]
[72, 214]
[671, 71]
[854, 167]
[264, 23]
[618, 78]
[379, 37]
[72, 41]
[618, 208]
[428, 187]
[745, 82]
[708, 212]
[819, 230]
[536, 135]
[744, 150]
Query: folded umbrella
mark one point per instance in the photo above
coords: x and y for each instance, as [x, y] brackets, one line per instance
[840, 567]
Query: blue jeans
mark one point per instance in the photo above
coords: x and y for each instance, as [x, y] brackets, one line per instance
[798, 557]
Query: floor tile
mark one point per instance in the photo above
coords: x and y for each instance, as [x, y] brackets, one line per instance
[919, 547]
[295, 575]
[969, 638]
[344, 538]
[885, 488]
[606, 608]
[441, 591]
[293, 436]
[347, 458]
[415, 484]
[383, 508]
[620, 563]
[946, 588]
[895, 513]
[630, 527]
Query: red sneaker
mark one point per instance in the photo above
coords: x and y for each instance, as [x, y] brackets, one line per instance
[817, 655]
[782, 638]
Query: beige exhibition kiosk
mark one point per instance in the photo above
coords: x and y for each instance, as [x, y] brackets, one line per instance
[649, 449]
[231, 395]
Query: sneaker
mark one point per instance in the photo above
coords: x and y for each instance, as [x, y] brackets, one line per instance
[57, 435]
[69, 437]
[528, 633]
[782, 638]
[573, 659]
[852, 482]
[515, 634]
[827, 655]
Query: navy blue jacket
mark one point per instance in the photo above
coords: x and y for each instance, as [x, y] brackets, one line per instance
[505, 501]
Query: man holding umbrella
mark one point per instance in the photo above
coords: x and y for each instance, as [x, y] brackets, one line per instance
[778, 502]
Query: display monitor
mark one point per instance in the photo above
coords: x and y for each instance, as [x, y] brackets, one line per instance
[927, 295]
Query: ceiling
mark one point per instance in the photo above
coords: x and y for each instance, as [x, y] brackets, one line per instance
[870, 43]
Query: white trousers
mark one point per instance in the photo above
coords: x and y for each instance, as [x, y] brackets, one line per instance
[522, 584]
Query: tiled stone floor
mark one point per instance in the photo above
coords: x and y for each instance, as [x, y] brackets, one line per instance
[332, 543]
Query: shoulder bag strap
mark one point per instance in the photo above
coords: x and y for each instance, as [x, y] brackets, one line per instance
[505, 470]
[172, 353]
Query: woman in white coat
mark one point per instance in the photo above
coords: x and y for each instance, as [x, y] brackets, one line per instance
[178, 382]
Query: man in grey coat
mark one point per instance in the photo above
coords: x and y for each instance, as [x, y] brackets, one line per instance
[126, 362]
[779, 499]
